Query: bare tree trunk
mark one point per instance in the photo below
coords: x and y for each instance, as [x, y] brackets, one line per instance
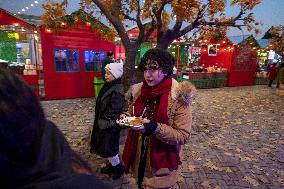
[129, 76]
[165, 40]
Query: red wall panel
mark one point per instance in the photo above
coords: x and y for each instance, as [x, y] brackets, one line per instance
[242, 70]
[222, 59]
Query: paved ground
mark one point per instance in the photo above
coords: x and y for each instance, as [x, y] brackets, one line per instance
[237, 139]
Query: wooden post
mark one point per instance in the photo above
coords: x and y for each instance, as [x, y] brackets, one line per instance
[178, 57]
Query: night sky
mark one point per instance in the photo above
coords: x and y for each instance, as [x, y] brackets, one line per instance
[270, 12]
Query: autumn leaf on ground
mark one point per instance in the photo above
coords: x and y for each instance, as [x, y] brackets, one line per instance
[281, 172]
[251, 181]
[228, 170]
[238, 150]
[206, 184]
[280, 181]
[228, 154]
[262, 178]
[191, 168]
[258, 168]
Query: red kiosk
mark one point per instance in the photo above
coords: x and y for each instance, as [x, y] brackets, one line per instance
[72, 58]
[19, 49]
[239, 60]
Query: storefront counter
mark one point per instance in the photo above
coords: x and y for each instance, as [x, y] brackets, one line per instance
[204, 80]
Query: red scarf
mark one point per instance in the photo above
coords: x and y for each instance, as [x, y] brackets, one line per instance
[162, 155]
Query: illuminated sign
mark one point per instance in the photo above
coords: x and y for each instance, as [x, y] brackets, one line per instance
[13, 35]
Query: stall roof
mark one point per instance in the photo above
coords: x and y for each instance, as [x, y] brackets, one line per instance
[238, 39]
[7, 18]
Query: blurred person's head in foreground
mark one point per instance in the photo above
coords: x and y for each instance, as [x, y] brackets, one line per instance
[21, 119]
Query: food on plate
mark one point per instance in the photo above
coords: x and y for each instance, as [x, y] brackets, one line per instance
[136, 121]
[130, 121]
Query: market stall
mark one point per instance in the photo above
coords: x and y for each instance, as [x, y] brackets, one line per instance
[200, 69]
[239, 60]
[19, 48]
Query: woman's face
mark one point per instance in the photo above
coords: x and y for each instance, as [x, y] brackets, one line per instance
[153, 77]
[108, 76]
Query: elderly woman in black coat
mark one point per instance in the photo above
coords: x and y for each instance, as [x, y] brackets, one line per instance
[106, 132]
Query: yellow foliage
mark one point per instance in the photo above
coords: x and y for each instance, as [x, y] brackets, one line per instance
[165, 20]
[88, 2]
[54, 13]
[107, 4]
[186, 8]
[133, 5]
[121, 17]
[217, 6]
[146, 10]
[277, 40]
[248, 4]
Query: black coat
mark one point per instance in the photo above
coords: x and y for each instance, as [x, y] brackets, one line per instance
[106, 132]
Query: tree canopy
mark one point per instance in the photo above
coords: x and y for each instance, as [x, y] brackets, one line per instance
[276, 39]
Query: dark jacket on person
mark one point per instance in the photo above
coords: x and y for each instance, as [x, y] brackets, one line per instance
[51, 169]
[106, 132]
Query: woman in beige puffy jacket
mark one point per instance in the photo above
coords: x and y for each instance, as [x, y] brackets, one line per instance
[152, 152]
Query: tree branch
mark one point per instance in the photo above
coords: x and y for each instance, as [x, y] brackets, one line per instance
[158, 14]
[115, 21]
[128, 17]
[140, 25]
[150, 31]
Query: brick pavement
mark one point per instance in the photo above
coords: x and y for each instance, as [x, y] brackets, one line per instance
[237, 139]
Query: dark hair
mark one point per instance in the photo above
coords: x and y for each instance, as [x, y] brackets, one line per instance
[21, 119]
[164, 59]
[110, 53]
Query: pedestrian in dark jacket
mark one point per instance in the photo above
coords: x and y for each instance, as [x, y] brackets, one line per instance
[106, 132]
[280, 74]
[107, 60]
[271, 74]
[33, 152]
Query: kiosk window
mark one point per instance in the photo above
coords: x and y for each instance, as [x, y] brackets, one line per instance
[93, 60]
[66, 60]
[212, 50]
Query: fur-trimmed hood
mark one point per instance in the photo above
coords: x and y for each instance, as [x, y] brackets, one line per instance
[183, 91]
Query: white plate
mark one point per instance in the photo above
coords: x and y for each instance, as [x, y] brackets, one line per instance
[125, 122]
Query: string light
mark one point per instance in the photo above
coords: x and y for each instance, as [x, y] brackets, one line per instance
[27, 7]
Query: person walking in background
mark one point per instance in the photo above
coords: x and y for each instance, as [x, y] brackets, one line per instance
[280, 74]
[106, 132]
[109, 59]
[33, 152]
[153, 151]
[271, 74]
